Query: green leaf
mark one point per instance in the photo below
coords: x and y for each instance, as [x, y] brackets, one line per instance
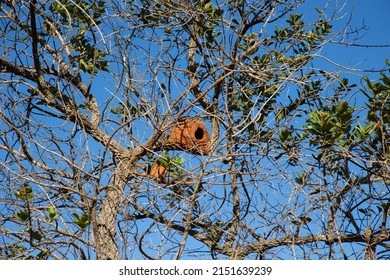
[42, 255]
[362, 132]
[118, 110]
[53, 215]
[305, 220]
[178, 161]
[37, 235]
[297, 223]
[317, 190]
[84, 66]
[22, 215]
[285, 135]
[300, 179]
[82, 221]
[164, 160]
[25, 192]
[51, 210]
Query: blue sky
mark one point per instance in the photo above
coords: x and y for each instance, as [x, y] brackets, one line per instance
[374, 17]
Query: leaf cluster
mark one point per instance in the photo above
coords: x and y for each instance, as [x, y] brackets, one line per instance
[330, 125]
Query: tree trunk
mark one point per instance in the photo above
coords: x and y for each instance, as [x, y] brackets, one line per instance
[105, 222]
[369, 253]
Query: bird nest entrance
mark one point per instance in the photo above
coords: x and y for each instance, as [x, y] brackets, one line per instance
[190, 135]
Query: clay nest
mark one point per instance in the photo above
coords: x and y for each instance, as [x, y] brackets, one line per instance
[190, 135]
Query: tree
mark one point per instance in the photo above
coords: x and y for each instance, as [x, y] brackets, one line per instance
[296, 167]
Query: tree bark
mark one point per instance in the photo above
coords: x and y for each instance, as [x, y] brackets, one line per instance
[105, 222]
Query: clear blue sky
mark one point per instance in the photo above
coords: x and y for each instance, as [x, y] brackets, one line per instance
[373, 15]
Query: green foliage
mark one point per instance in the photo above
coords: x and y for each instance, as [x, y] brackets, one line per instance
[25, 192]
[36, 235]
[42, 255]
[379, 99]
[82, 221]
[362, 132]
[16, 251]
[289, 143]
[13, 250]
[301, 39]
[287, 51]
[211, 16]
[171, 163]
[88, 57]
[127, 113]
[178, 190]
[83, 17]
[285, 135]
[375, 131]
[250, 43]
[52, 214]
[23, 216]
[330, 125]
[302, 221]
[81, 13]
